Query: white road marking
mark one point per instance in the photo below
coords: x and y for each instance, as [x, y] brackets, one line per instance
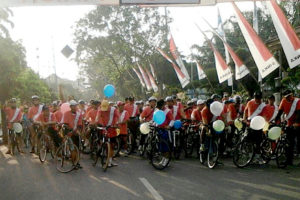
[149, 187]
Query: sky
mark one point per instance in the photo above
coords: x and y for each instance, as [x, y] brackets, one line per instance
[44, 31]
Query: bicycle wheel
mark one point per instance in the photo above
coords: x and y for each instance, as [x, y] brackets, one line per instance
[63, 158]
[117, 147]
[243, 154]
[202, 156]
[43, 148]
[105, 151]
[281, 155]
[160, 154]
[189, 145]
[178, 148]
[213, 155]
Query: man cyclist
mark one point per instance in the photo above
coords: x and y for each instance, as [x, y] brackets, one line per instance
[33, 112]
[123, 119]
[196, 114]
[133, 111]
[73, 120]
[108, 116]
[56, 111]
[290, 106]
[148, 111]
[13, 115]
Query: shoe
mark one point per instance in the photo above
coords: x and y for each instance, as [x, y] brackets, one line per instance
[165, 162]
[78, 166]
[112, 164]
[8, 152]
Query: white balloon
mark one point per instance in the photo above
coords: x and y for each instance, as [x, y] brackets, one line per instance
[17, 127]
[145, 128]
[274, 133]
[216, 108]
[257, 123]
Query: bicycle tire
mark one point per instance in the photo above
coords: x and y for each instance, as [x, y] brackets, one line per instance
[189, 145]
[213, 155]
[156, 146]
[265, 148]
[117, 147]
[281, 155]
[105, 152]
[59, 153]
[238, 152]
[43, 149]
[130, 142]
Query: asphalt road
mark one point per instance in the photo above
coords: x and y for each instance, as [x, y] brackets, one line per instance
[23, 177]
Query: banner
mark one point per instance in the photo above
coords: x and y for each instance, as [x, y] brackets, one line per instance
[140, 77]
[152, 71]
[287, 36]
[264, 60]
[201, 73]
[152, 81]
[145, 77]
[176, 56]
[181, 77]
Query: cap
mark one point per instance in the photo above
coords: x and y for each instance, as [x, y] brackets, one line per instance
[45, 108]
[73, 103]
[258, 94]
[287, 93]
[120, 103]
[54, 103]
[215, 96]
[81, 102]
[35, 97]
[174, 97]
[13, 100]
[95, 102]
[189, 102]
[236, 97]
[168, 99]
[111, 102]
[231, 100]
[200, 102]
[104, 105]
[137, 102]
[152, 99]
[194, 100]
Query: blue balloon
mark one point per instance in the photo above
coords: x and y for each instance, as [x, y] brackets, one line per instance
[109, 90]
[177, 124]
[159, 117]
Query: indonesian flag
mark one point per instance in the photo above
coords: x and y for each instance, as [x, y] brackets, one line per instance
[152, 71]
[176, 56]
[201, 73]
[152, 81]
[287, 36]
[139, 76]
[145, 77]
[182, 78]
[223, 70]
[263, 58]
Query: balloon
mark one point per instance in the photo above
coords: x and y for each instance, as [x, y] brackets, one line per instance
[177, 124]
[65, 107]
[218, 126]
[145, 128]
[238, 124]
[274, 133]
[257, 123]
[216, 108]
[109, 91]
[159, 117]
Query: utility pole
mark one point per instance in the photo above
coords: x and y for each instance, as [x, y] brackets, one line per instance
[54, 63]
[255, 27]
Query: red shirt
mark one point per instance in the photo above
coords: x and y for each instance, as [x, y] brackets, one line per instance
[58, 116]
[147, 113]
[130, 108]
[103, 118]
[33, 110]
[188, 113]
[69, 119]
[42, 118]
[251, 108]
[91, 115]
[269, 111]
[196, 115]
[285, 106]
[124, 116]
[10, 112]
[207, 115]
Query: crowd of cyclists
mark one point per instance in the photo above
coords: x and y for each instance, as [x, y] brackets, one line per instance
[106, 129]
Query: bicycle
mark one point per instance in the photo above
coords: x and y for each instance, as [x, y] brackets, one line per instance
[191, 139]
[67, 155]
[211, 152]
[16, 129]
[46, 145]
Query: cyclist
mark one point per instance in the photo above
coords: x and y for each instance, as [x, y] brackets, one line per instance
[81, 107]
[13, 115]
[271, 109]
[33, 112]
[73, 120]
[207, 119]
[47, 121]
[108, 116]
[133, 123]
[196, 114]
[189, 109]
[177, 115]
[123, 119]
[91, 119]
[148, 111]
[56, 111]
[290, 106]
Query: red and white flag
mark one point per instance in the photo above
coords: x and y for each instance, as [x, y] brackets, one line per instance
[287, 36]
[181, 77]
[201, 73]
[152, 71]
[152, 81]
[139, 76]
[263, 58]
[176, 56]
[145, 77]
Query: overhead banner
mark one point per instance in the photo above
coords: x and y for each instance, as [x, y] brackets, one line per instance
[263, 58]
[140, 77]
[201, 73]
[145, 2]
[176, 56]
[287, 36]
[17, 3]
[152, 81]
[145, 77]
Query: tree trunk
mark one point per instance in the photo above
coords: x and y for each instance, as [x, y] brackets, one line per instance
[4, 127]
